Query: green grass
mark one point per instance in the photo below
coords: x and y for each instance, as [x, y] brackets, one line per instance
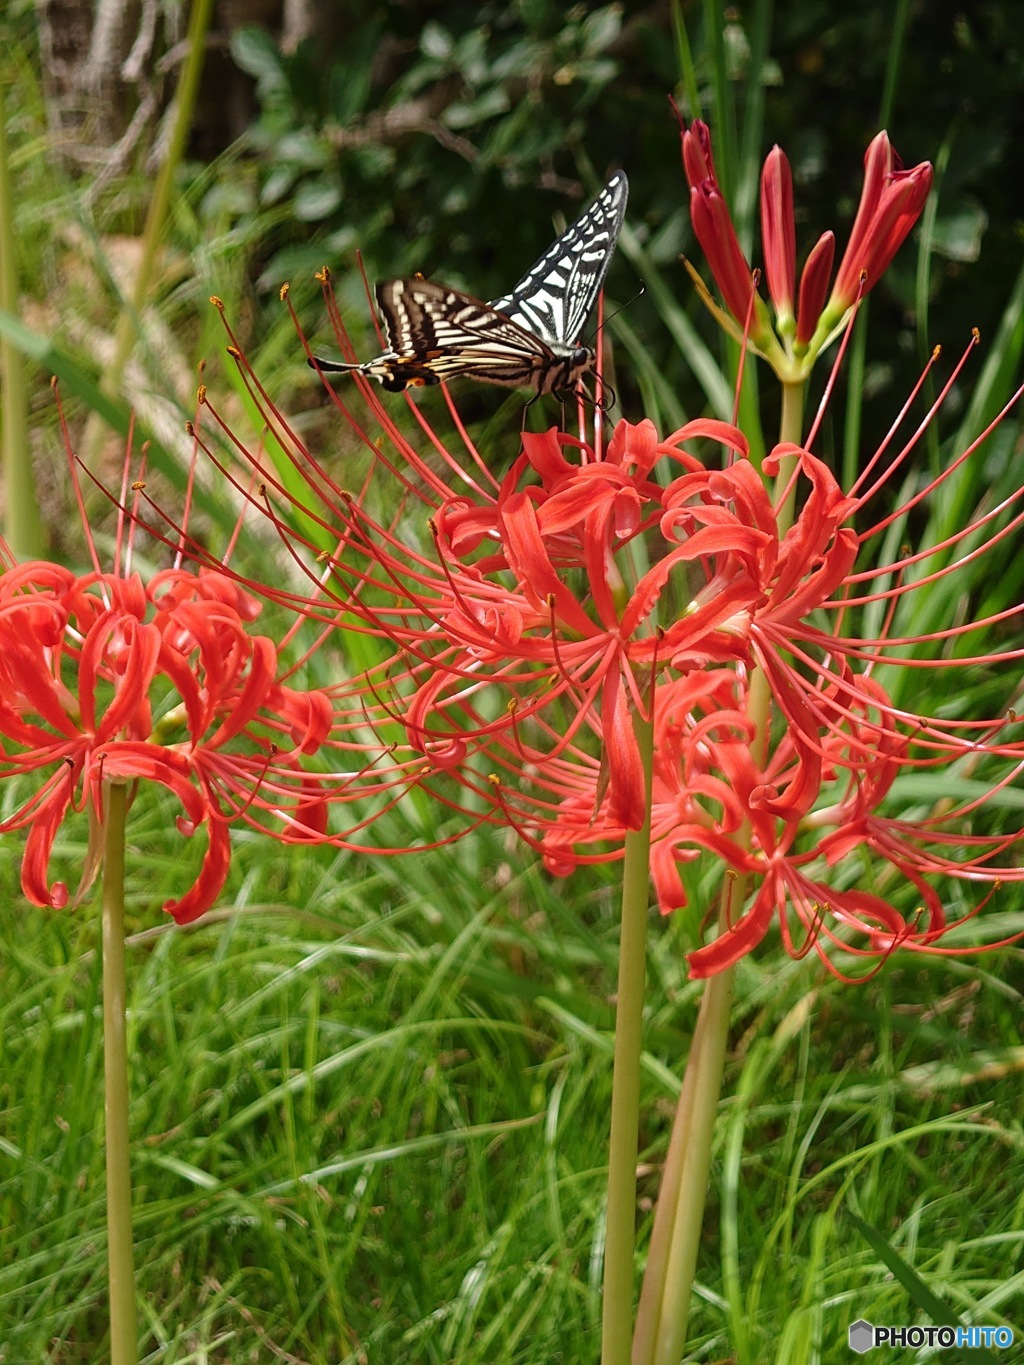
[374, 1128]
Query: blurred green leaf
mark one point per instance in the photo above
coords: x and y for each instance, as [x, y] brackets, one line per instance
[958, 236]
[254, 50]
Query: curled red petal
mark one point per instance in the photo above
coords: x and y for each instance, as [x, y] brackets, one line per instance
[254, 692]
[626, 785]
[203, 892]
[35, 862]
[742, 937]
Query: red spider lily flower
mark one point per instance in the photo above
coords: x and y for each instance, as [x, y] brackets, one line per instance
[553, 605]
[516, 611]
[106, 679]
[522, 601]
[820, 793]
[891, 202]
[766, 821]
[713, 228]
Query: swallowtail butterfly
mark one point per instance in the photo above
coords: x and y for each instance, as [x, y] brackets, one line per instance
[528, 338]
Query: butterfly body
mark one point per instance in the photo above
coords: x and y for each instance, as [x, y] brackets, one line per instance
[526, 339]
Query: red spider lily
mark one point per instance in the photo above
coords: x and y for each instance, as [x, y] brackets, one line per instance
[891, 202]
[713, 227]
[808, 802]
[104, 678]
[105, 681]
[521, 606]
[580, 590]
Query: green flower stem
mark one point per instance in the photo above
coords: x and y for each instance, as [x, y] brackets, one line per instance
[22, 526]
[791, 423]
[672, 1261]
[620, 1233]
[123, 1332]
[790, 430]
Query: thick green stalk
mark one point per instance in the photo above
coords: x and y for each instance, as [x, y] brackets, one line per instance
[124, 1348]
[675, 1241]
[620, 1234]
[791, 431]
[792, 420]
[23, 528]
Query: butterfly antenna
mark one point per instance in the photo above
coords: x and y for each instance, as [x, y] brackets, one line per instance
[623, 306]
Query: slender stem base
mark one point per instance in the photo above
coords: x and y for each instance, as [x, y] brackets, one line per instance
[675, 1239]
[620, 1235]
[123, 1330]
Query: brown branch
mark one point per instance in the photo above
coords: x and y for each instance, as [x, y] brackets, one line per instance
[390, 125]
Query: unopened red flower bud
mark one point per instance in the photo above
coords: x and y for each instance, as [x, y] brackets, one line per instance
[814, 282]
[697, 160]
[717, 236]
[778, 234]
[890, 204]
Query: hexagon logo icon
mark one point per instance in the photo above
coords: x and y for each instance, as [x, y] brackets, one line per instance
[861, 1336]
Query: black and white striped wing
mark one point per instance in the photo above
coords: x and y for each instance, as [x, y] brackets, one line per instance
[554, 298]
[435, 332]
[527, 339]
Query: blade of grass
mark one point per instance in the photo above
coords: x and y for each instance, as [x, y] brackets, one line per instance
[919, 1292]
[22, 525]
[75, 379]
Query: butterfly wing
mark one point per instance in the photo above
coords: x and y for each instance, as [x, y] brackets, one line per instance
[526, 339]
[554, 298]
[435, 332]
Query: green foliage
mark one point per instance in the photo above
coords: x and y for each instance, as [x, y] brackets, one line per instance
[372, 1128]
[456, 140]
[423, 138]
